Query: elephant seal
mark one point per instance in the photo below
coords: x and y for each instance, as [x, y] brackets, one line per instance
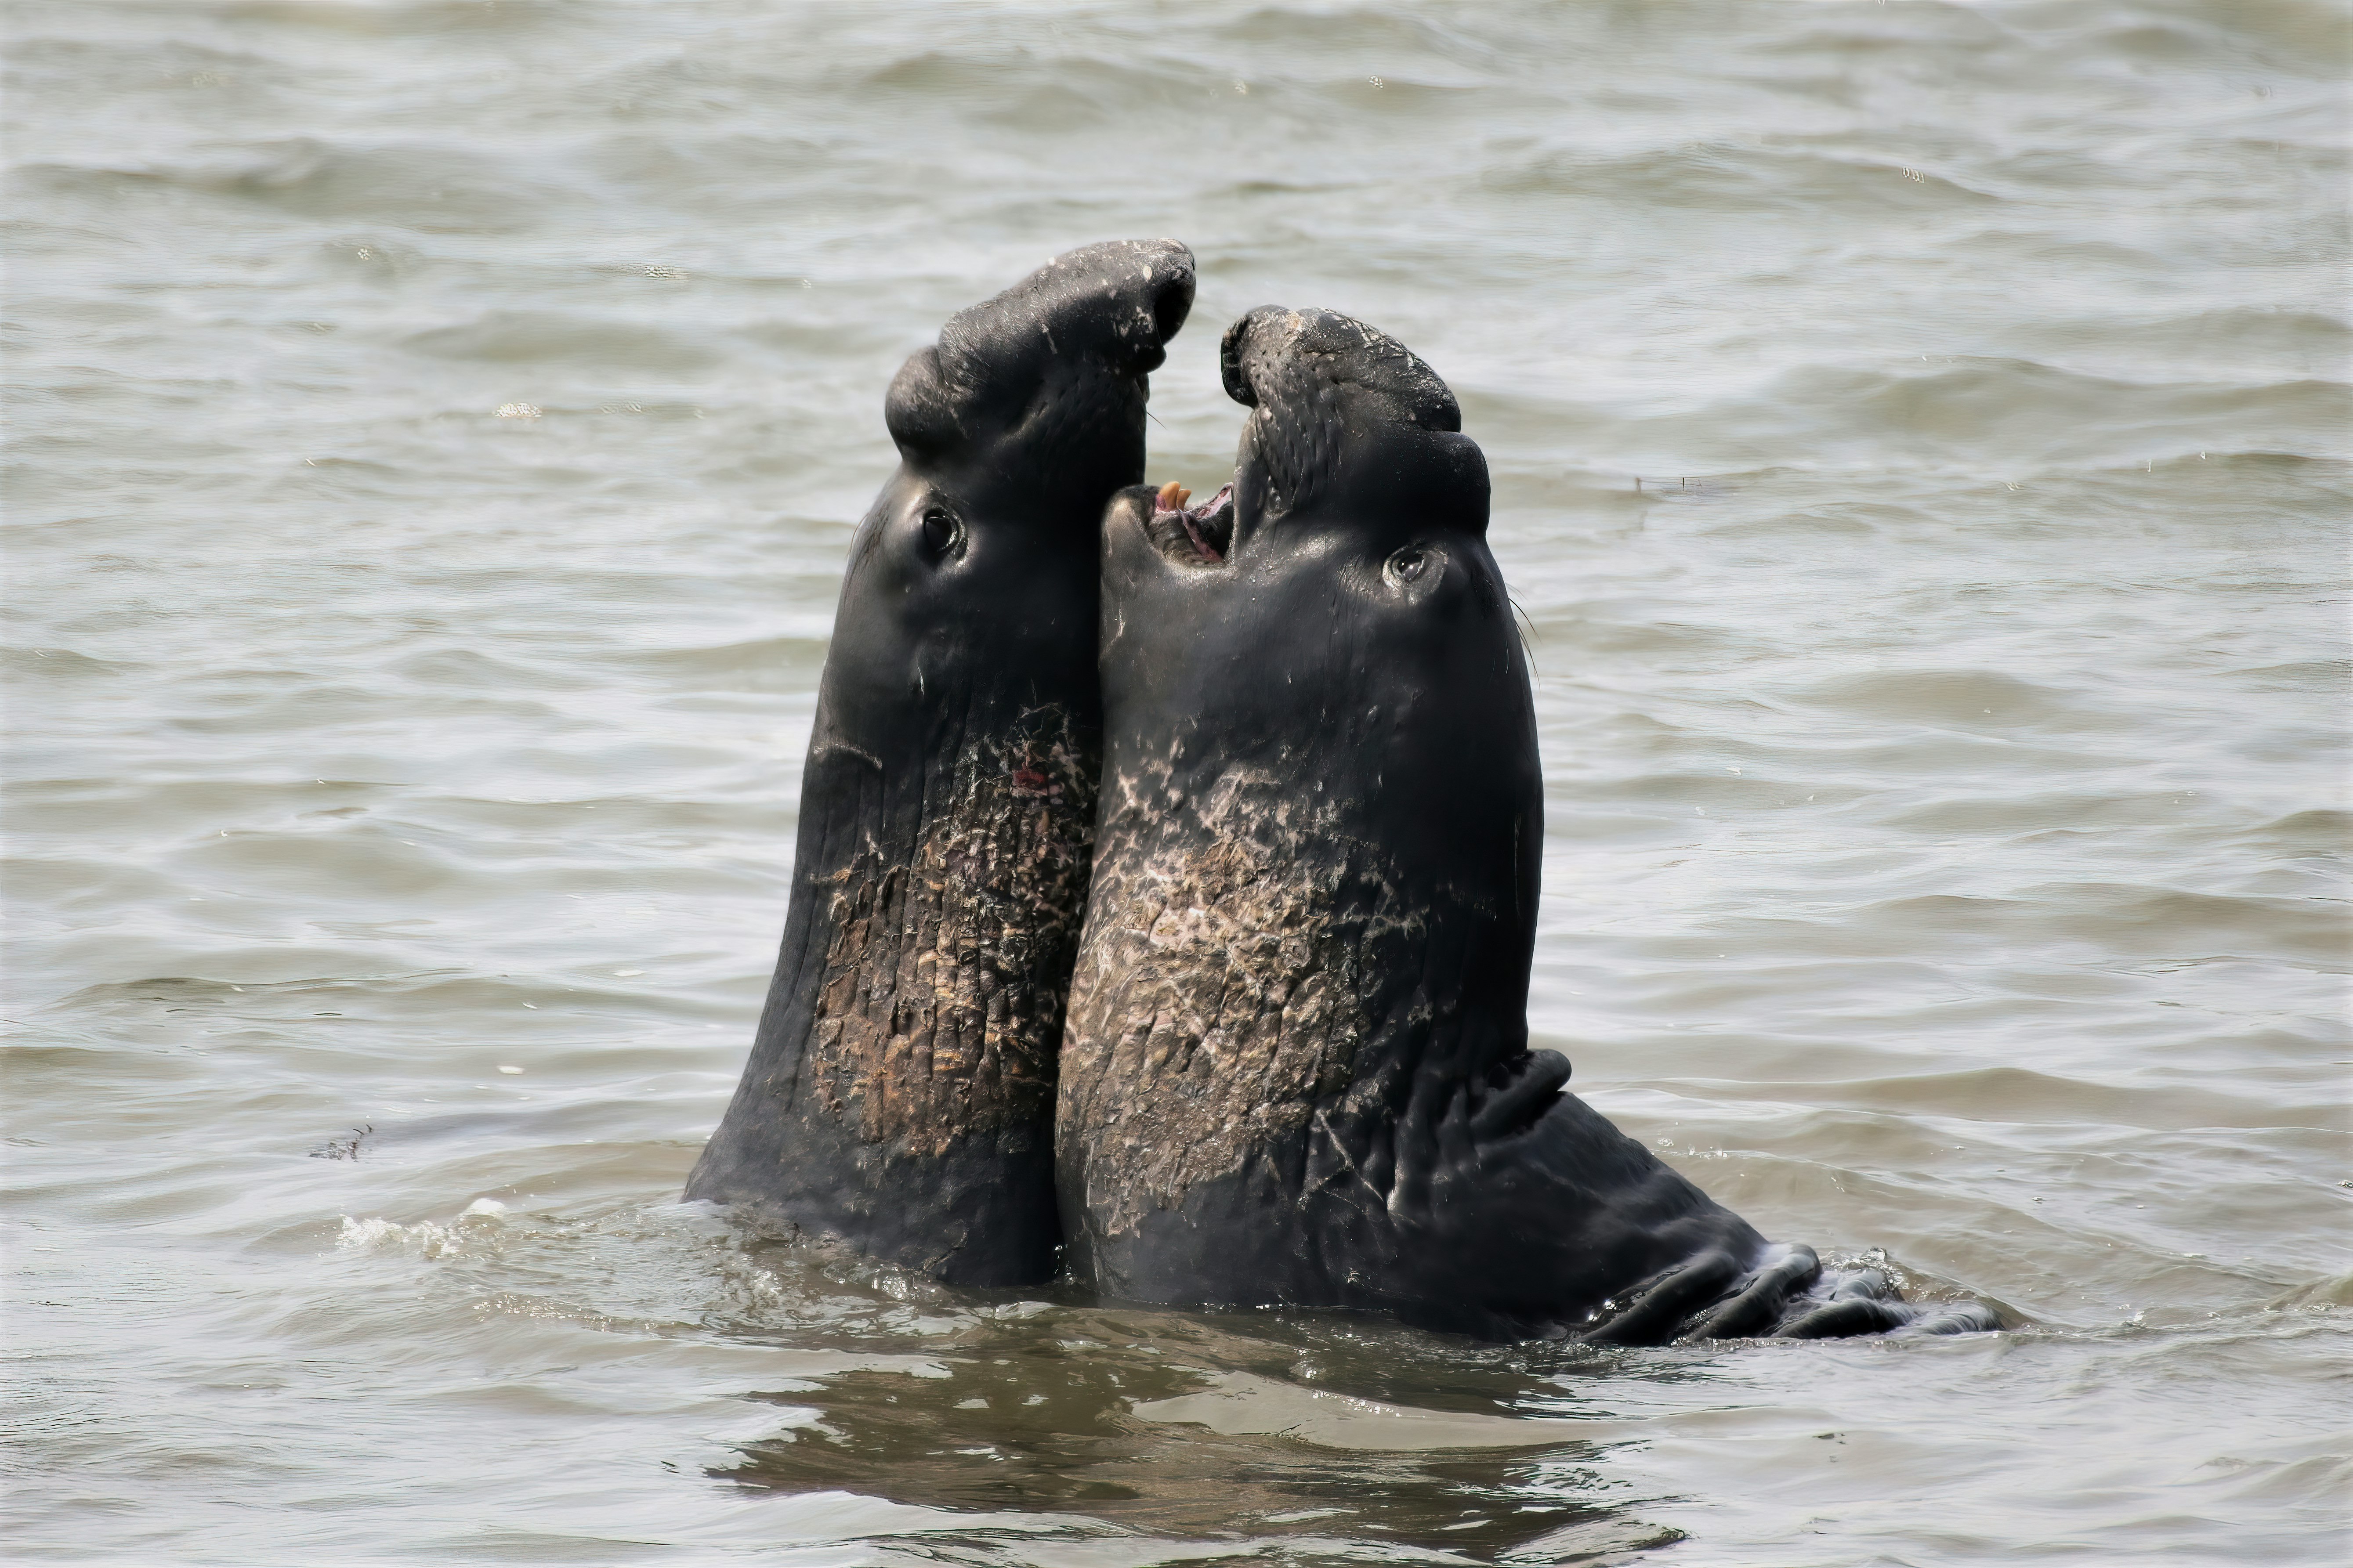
[900, 1091]
[1297, 1069]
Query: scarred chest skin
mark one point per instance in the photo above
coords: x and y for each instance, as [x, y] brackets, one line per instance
[938, 1013]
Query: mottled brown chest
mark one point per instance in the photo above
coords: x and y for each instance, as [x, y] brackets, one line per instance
[940, 1009]
[1217, 1001]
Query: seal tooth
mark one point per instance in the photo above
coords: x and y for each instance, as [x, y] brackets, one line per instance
[1172, 497]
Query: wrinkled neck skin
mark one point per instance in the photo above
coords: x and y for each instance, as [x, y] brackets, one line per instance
[1236, 737]
[900, 1090]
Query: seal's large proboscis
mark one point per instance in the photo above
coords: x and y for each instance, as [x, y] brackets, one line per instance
[1297, 1069]
[900, 1092]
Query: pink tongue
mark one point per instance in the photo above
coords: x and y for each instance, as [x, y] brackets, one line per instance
[1202, 514]
[1166, 503]
[1209, 550]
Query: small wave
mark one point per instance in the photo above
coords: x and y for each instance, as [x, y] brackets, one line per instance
[169, 65]
[2319, 1296]
[376, 259]
[470, 668]
[1726, 178]
[421, 19]
[63, 665]
[2021, 412]
[532, 337]
[470, 1232]
[2022, 1095]
[1984, 699]
[2326, 831]
[418, 186]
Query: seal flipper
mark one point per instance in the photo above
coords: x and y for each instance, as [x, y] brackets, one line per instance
[1785, 1297]
[1955, 1318]
[1866, 1302]
[1844, 1319]
[1762, 1298]
[1665, 1299]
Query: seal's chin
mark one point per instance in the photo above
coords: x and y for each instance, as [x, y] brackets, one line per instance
[1192, 535]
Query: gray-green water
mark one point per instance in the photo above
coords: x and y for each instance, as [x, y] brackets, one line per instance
[1920, 444]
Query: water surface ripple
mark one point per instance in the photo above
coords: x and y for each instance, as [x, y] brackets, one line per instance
[1920, 434]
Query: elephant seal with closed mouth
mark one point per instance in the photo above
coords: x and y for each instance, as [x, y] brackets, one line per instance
[1297, 1069]
[900, 1092]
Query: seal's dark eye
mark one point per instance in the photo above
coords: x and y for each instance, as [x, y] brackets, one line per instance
[1411, 565]
[943, 531]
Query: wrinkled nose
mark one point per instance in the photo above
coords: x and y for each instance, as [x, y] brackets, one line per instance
[1236, 342]
[1125, 298]
[1168, 286]
[1081, 332]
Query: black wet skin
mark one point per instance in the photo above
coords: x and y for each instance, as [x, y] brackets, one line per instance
[1297, 1067]
[899, 1093]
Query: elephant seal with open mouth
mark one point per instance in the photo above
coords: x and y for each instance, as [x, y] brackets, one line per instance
[1297, 1069]
[900, 1092]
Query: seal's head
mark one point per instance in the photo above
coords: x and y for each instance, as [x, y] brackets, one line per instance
[1347, 425]
[1035, 398]
[977, 562]
[1334, 615]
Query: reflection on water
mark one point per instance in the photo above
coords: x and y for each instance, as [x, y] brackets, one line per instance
[1918, 435]
[1060, 1419]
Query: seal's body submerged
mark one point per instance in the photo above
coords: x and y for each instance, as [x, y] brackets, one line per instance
[1297, 1069]
[900, 1091]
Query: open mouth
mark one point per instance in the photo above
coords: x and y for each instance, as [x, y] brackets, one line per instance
[1192, 536]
